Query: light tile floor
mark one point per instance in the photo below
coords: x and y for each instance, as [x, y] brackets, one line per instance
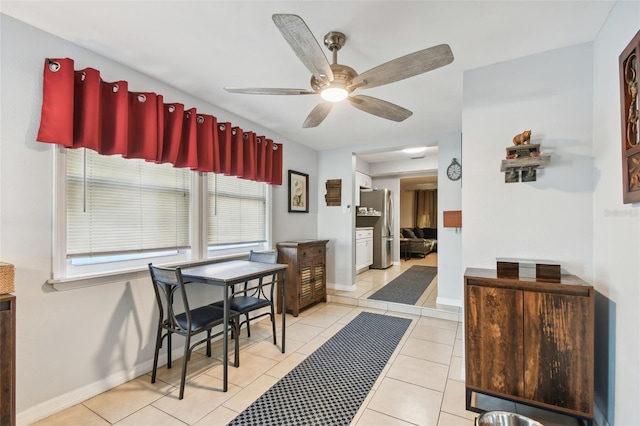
[421, 385]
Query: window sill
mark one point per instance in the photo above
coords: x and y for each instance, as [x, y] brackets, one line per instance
[83, 281]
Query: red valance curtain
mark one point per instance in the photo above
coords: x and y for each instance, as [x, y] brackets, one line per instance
[80, 110]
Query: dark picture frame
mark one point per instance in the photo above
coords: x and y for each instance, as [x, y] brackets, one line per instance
[629, 64]
[298, 192]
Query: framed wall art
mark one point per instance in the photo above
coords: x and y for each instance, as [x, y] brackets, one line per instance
[298, 192]
[628, 63]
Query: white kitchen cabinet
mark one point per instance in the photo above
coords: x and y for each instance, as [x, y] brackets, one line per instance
[362, 181]
[364, 248]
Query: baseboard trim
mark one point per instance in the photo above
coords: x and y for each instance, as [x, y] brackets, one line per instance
[77, 396]
[342, 287]
[448, 302]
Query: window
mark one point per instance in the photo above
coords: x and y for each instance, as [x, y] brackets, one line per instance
[117, 214]
[237, 212]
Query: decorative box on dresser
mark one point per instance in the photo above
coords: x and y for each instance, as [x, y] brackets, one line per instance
[306, 276]
[530, 340]
[7, 359]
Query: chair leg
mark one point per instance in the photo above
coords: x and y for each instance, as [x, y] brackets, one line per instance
[273, 324]
[155, 354]
[185, 359]
[248, 329]
[209, 343]
[168, 349]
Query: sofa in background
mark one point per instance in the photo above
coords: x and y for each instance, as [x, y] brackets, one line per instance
[422, 241]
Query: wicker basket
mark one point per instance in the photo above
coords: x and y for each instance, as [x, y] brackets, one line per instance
[7, 277]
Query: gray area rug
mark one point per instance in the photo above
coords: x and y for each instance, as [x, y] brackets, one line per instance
[328, 387]
[408, 286]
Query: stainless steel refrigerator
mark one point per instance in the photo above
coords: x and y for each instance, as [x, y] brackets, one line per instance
[381, 202]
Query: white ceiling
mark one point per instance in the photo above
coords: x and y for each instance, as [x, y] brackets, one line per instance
[201, 46]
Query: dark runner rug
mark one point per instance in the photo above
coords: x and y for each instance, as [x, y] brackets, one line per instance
[328, 387]
[408, 286]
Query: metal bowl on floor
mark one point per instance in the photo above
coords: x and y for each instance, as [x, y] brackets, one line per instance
[504, 418]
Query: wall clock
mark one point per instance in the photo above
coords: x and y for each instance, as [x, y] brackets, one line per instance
[454, 171]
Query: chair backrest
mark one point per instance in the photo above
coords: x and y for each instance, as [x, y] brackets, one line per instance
[166, 282]
[263, 256]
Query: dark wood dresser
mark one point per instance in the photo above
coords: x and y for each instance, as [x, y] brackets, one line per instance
[530, 341]
[7, 359]
[306, 276]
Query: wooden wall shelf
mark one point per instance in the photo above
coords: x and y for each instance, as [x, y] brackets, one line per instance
[524, 163]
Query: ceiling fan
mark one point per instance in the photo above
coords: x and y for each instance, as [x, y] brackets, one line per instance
[335, 82]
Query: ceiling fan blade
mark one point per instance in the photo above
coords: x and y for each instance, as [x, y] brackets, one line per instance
[297, 34]
[269, 91]
[404, 67]
[317, 114]
[380, 108]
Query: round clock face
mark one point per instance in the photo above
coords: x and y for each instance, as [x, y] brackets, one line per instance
[454, 171]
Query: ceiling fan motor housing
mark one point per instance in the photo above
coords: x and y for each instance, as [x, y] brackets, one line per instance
[342, 76]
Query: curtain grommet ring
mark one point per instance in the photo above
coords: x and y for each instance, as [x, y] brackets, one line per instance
[233, 132]
[200, 119]
[222, 127]
[142, 98]
[258, 140]
[115, 88]
[275, 147]
[54, 66]
[245, 136]
[187, 114]
[171, 108]
[83, 76]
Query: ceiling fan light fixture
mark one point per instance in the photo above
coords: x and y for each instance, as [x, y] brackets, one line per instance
[334, 94]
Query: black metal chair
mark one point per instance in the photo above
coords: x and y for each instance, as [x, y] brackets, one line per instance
[170, 288]
[253, 297]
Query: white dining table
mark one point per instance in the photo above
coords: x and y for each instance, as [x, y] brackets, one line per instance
[227, 274]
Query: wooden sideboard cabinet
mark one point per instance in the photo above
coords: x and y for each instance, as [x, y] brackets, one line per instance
[306, 276]
[7, 359]
[530, 341]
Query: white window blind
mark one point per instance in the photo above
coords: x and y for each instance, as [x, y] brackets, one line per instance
[120, 206]
[237, 210]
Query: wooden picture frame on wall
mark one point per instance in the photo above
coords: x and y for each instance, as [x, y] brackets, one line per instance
[630, 114]
[298, 192]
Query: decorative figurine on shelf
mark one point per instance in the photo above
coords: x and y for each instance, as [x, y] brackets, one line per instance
[523, 138]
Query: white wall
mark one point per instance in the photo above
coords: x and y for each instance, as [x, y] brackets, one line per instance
[295, 226]
[336, 223]
[616, 233]
[74, 344]
[450, 271]
[550, 94]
